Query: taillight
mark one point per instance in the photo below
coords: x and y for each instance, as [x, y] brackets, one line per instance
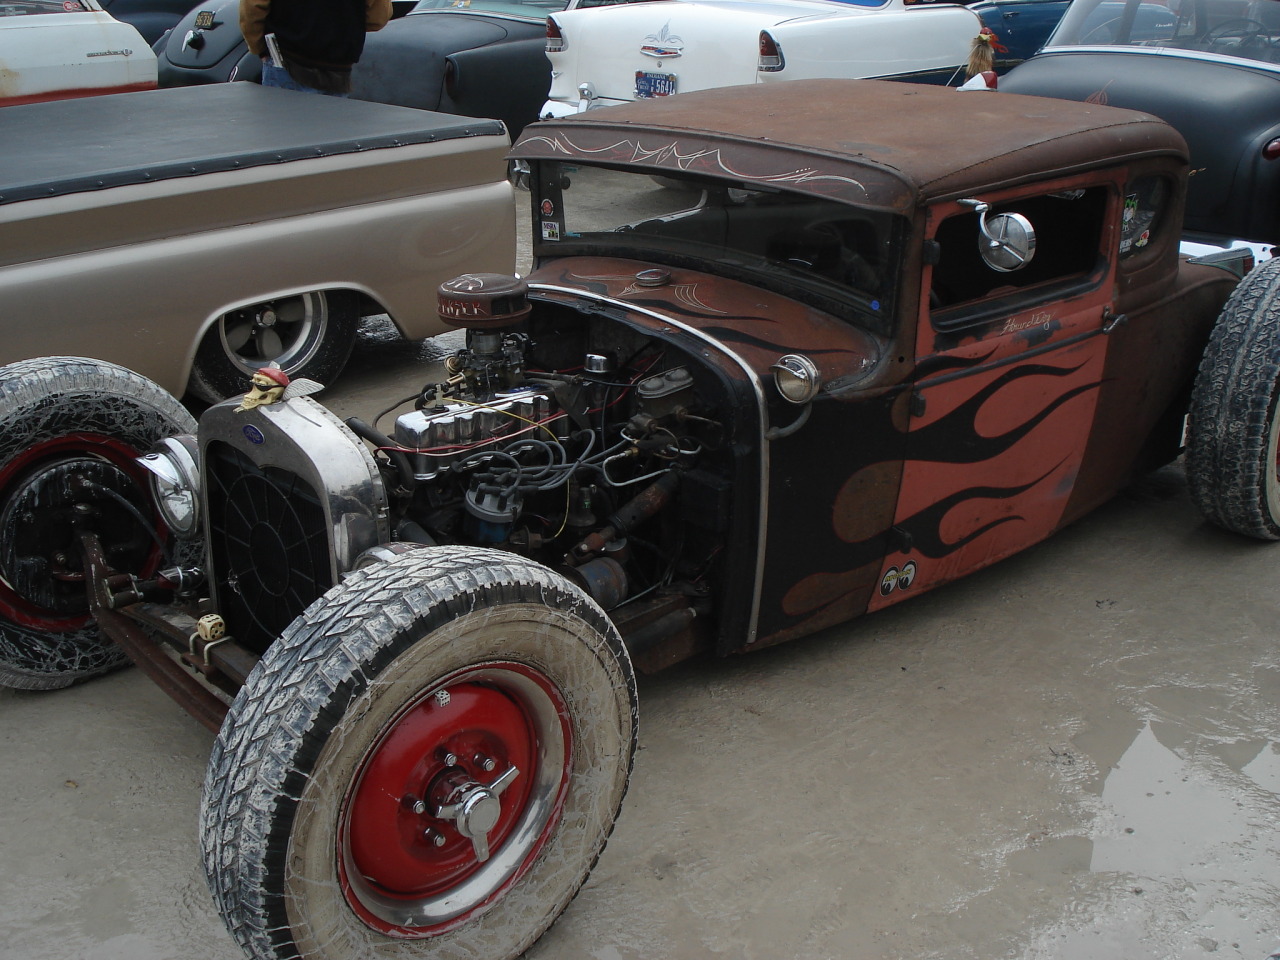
[1272, 150]
[771, 59]
[555, 39]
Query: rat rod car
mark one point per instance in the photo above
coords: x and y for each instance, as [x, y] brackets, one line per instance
[850, 368]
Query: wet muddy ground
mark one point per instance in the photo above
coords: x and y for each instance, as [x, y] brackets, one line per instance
[1073, 755]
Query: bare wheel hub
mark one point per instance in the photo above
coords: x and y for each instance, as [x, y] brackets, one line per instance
[474, 809]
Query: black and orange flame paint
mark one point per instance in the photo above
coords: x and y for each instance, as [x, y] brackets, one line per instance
[991, 463]
[990, 441]
[911, 471]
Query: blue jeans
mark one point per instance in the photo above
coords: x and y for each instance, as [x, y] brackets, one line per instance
[273, 76]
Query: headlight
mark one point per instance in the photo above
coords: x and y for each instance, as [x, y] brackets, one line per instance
[796, 378]
[175, 483]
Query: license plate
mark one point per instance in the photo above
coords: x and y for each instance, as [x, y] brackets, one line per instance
[650, 85]
[204, 19]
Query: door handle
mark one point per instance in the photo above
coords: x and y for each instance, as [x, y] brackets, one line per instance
[1111, 321]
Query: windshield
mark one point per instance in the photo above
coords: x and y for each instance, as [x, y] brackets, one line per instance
[839, 258]
[1249, 29]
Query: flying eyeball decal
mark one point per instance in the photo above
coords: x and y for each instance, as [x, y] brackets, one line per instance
[898, 579]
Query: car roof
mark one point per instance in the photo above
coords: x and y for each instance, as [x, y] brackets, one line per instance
[871, 142]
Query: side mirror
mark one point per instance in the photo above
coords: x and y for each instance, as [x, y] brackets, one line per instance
[1008, 240]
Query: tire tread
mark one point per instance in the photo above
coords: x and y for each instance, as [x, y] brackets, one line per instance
[1233, 406]
[325, 658]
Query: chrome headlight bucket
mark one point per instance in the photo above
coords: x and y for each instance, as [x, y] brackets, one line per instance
[796, 378]
[174, 466]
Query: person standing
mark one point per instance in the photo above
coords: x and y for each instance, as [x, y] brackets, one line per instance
[314, 42]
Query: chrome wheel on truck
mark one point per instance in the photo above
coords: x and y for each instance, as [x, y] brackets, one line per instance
[308, 335]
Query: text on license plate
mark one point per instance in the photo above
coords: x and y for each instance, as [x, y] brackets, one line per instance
[654, 85]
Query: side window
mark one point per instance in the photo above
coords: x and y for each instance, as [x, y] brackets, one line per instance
[1067, 228]
[1145, 201]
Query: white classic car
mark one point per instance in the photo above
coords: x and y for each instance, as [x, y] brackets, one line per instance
[641, 50]
[55, 49]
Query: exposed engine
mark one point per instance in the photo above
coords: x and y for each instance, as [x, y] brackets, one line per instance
[597, 453]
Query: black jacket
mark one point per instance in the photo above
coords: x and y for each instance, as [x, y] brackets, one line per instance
[318, 33]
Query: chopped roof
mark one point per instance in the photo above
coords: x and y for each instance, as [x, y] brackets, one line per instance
[873, 142]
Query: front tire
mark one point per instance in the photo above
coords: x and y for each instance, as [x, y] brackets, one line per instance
[308, 335]
[72, 428]
[430, 760]
[1233, 430]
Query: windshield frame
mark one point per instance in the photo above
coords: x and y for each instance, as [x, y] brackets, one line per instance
[812, 242]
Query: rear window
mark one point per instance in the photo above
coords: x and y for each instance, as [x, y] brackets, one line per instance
[1247, 29]
[1145, 201]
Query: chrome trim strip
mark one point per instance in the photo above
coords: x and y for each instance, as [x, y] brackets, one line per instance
[763, 517]
[1175, 52]
[480, 12]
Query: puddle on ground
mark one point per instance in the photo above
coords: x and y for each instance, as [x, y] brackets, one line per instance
[1165, 815]
[1180, 858]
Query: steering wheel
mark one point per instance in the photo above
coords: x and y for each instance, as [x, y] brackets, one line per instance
[1248, 30]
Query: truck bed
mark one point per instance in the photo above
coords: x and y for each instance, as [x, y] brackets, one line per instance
[100, 172]
[73, 146]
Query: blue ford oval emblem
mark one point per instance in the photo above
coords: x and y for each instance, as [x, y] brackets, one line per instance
[253, 434]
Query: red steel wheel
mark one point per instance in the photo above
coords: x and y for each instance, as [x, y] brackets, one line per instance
[72, 429]
[456, 798]
[38, 490]
[426, 764]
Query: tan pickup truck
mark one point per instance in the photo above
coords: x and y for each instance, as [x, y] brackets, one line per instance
[195, 234]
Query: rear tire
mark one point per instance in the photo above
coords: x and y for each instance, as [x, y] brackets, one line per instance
[445, 677]
[309, 335]
[71, 428]
[1234, 425]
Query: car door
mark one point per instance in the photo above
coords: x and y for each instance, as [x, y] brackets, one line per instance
[1009, 363]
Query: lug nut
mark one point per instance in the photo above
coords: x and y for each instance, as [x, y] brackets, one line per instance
[484, 763]
[433, 837]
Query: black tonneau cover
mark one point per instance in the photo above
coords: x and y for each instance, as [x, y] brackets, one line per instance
[72, 146]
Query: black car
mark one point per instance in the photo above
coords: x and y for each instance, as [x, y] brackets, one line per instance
[151, 18]
[205, 46]
[1211, 68]
[483, 59]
